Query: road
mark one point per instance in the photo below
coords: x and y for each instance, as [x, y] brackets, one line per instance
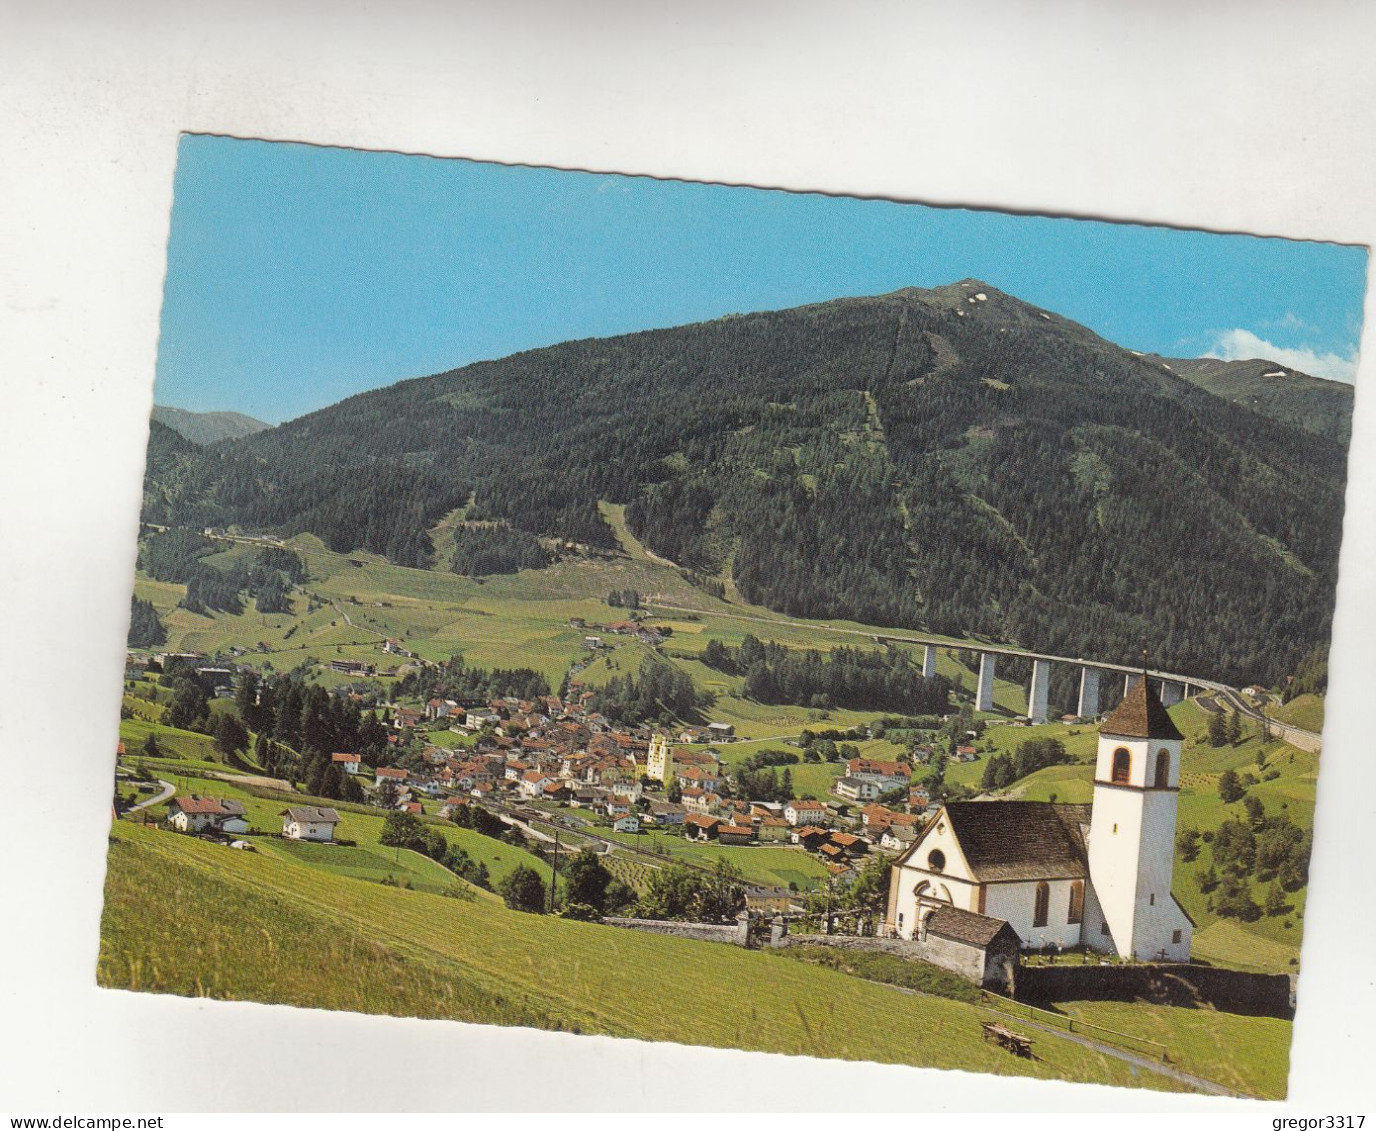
[168, 789]
[1302, 739]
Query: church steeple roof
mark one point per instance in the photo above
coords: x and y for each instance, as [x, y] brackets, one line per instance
[1140, 715]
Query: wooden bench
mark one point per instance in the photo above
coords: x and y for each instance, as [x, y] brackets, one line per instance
[1015, 1043]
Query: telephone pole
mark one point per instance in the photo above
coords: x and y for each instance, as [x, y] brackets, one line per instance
[554, 871]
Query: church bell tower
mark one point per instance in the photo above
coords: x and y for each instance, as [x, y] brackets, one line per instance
[1132, 832]
[660, 765]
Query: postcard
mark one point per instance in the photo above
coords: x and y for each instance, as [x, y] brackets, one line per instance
[737, 617]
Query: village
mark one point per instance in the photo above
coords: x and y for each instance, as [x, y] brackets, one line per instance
[552, 764]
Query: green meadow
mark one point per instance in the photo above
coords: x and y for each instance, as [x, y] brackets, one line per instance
[268, 929]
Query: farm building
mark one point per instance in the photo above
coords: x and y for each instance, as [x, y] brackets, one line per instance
[308, 822]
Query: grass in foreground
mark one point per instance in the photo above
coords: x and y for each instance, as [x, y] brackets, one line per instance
[1247, 1054]
[270, 930]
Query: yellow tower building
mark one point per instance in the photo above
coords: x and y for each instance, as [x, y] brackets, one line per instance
[660, 765]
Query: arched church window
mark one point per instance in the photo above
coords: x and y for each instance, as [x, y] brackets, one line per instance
[1122, 766]
[1163, 769]
[936, 860]
[1042, 908]
[1077, 902]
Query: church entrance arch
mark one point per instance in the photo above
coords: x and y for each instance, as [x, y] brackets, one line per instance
[929, 897]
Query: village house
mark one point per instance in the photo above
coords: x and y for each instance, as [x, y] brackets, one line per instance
[698, 826]
[666, 813]
[201, 814]
[698, 777]
[773, 830]
[811, 837]
[533, 783]
[628, 823]
[617, 806]
[735, 834]
[857, 789]
[804, 812]
[349, 763]
[390, 773]
[309, 822]
[769, 901]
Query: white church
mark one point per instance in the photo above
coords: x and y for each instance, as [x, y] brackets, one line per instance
[1097, 875]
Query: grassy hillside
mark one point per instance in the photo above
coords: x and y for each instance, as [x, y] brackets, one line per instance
[1247, 1054]
[361, 824]
[1303, 711]
[266, 929]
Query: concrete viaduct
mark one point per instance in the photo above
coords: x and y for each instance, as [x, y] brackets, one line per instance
[1172, 687]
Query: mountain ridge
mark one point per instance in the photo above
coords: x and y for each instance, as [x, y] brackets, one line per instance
[1281, 392]
[207, 427]
[952, 459]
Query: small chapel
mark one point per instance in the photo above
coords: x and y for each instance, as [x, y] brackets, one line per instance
[1058, 875]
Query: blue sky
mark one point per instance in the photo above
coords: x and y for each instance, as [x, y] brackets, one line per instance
[298, 275]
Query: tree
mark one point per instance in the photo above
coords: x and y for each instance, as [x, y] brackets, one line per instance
[402, 830]
[1275, 901]
[151, 748]
[1187, 844]
[523, 890]
[230, 736]
[586, 880]
[1230, 787]
[1218, 730]
[1234, 728]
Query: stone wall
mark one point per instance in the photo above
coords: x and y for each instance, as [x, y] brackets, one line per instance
[733, 933]
[983, 968]
[1231, 991]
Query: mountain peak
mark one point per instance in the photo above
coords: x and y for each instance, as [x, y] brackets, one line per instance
[207, 427]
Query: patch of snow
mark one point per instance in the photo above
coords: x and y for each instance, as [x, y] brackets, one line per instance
[1276, 373]
[1047, 317]
[981, 296]
[1167, 368]
[1135, 353]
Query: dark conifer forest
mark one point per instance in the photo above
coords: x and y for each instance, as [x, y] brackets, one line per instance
[921, 459]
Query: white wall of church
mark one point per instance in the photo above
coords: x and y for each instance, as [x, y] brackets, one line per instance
[1017, 902]
[948, 889]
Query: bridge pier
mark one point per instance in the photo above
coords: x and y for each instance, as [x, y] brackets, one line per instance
[1129, 682]
[1089, 694]
[1171, 692]
[1037, 694]
[928, 661]
[984, 691]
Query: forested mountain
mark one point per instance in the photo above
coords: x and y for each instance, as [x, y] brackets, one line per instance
[951, 459]
[207, 427]
[1311, 403]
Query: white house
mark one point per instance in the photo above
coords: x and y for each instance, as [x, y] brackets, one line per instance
[533, 783]
[630, 823]
[804, 812]
[308, 822]
[857, 789]
[1097, 875]
[349, 763]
